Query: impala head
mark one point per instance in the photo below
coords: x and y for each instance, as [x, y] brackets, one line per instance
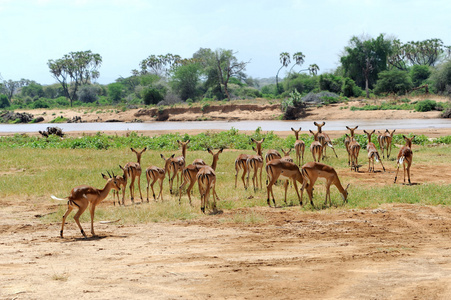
[408, 140]
[167, 162]
[113, 178]
[296, 132]
[259, 145]
[286, 153]
[368, 134]
[319, 126]
[344, 195]
[315, 135]
[139, 153]
[352, 129]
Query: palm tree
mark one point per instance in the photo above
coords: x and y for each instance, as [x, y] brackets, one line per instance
[298, 58]
[285, 61]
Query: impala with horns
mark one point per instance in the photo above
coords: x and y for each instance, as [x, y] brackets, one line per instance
[83, 196]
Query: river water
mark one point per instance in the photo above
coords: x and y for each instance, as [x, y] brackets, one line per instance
[240, 125]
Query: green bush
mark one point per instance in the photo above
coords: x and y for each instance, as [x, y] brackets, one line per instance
[152, 96]
[4, 102]
[427, 105]
[40, 103]
[393, 81]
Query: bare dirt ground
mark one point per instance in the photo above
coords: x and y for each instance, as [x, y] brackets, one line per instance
[395, 251]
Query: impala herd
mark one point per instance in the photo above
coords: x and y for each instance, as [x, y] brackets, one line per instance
[277, 167]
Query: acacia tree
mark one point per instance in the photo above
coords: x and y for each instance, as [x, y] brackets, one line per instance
[219, 66]
[75, 69]
[364, 58]
[160, 64]
[427, 53]
[10, 87]
[284, 59]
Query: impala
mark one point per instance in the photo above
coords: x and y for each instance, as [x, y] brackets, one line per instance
[178, 164]
[348, 141]
[81, 197]
[405, 157]
[255, 162]
[324, 139]
[272, 154]
[354, 149]
[133, 170]
[285, 169]
[316, 148]
[190, 174]
[373, 155]
[122, 183]
[240, 164]
[154, 173]
[385, 140]
[310, 173]
[206, 179]
[299, 146]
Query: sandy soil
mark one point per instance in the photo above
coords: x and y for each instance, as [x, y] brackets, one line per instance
[396, 251]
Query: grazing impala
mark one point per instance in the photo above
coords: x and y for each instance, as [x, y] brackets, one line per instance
[83, 196]
[240, 164]
[324, 139]
[405, 157]
[285, 169]
[299, 146]
[373, 155]
[311, 171]
[316, 148]
[190, 174]
[133, 170]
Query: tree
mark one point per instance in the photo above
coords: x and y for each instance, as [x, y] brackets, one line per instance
[10, 87]
[33, 90]
[75, 69]
[88, 93]
[284, 59]
[219, 67]
[185, 80]
[393, 81]
[298, 58]
[115, 91]
[364, 58]
[419, 74]
[441, 78]
[160, 64]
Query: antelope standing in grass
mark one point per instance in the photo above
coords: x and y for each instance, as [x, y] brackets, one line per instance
[373, 155]
[405, 157]
[299, 146]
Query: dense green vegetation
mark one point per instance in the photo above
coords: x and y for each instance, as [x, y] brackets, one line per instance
[230, 139]
[368, 67]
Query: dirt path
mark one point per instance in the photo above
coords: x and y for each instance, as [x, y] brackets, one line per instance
[393, 252]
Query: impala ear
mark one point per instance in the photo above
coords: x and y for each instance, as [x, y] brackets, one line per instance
[346, 189]
[172, 156]
[144, 150]
[121, 167]
[292, 129]
[162, 156]
[347, 127]
[374, 130]
[104, 176]
[324, 123]
[220, 150]
[314, 123]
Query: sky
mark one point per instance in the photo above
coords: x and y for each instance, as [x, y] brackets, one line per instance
[124, 32]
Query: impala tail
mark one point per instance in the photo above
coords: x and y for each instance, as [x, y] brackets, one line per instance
[401, 159]
[59, 199]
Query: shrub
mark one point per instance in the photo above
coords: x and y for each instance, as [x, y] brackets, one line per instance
[40, 103]
[427, 105]
[331, 83]
[4, 102]
[419, 74]
[393, 81]
[446, 113]
[115, 91]
[88, 93]
[152, 96]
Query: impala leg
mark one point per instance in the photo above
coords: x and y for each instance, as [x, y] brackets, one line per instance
[80, 211]
[396, 176]
[285, 186]
[188, 190]
[68, 211]
[132, 189]
[408, 174]
[92, 210]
